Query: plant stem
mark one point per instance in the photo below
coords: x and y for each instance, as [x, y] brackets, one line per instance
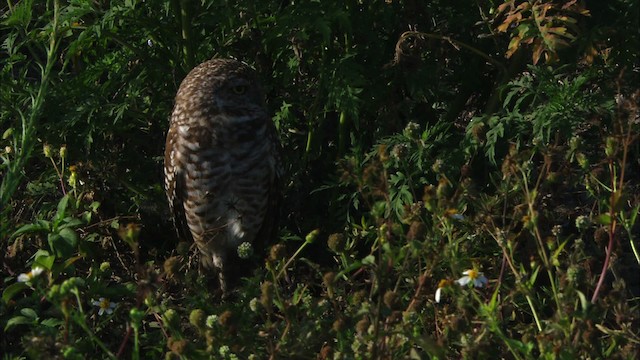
[456, 44]
[506, 257]
[343, 133]
[13, 175]
[612, 230]
[536, 232]
[293, 257]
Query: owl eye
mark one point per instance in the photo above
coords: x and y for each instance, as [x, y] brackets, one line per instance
[239, 89]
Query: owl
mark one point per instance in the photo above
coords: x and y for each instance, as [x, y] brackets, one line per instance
[222, 166]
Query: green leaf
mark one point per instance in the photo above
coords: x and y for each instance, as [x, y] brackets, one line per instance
[369, 260]
[38, 226]
[51, 322]
[71, 223]
[62, 208]
[45, 260]
[70, 236]
[18, 320]
[30, 313]
[583, 300]
[12, 290]
[520, 346]
[64, 243]
[557, 252]
[86, 217]
[533, 277]
[20, 15]
[299, 294]
[618, 200]
[603, 219]
[72, 260]
[7, 133]
[94, 206]
[379, 209]
[634, 215]
[53, 240]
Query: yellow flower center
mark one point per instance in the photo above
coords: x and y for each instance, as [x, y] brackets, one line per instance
[473, 274]
[104, 304]
[450, 212]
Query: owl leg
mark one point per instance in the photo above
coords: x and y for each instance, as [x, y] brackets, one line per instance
[230, 269]
[222, 268]
[222, 280]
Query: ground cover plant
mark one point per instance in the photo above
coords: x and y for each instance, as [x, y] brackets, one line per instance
[462, 181]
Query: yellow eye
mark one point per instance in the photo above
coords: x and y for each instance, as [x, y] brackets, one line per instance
[239, 89]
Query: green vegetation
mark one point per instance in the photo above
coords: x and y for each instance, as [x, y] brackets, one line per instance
[463, 180]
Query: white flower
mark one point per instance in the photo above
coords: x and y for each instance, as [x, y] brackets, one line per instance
[104, 306]
[35, 272]
[441, 285]
[454, 214]
[253, 304]
[457, 217]
[474, 276]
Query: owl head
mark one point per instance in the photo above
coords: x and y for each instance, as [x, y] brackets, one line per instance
[222, 87]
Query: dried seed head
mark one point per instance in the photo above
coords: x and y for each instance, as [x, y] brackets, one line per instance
[46, 149]
[177, 346]
[328, 279]
[391, 299]
[417, 230]
[266, 297]
[226, 319]
[172, 266]
[336, 242]
[277, 252]
[338, 325]
[362, 327]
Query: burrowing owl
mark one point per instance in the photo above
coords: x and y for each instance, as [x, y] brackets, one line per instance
[221, 164]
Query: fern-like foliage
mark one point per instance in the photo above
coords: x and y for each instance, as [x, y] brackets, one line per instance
[547, 26]
[543, 105]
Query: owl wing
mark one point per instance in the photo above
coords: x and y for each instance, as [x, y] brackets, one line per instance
[175, 188]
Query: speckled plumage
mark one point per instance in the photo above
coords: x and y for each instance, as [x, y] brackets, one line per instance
[221, 163]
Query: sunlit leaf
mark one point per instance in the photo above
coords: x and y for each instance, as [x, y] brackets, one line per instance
[17, 320]
[45, 260]
[603, 219]
[12, 290]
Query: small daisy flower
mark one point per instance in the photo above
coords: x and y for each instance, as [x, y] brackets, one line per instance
[478, 279]
[441, 285]
[28, 277]
[104, 306]
[253, 304]
[454, 214]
